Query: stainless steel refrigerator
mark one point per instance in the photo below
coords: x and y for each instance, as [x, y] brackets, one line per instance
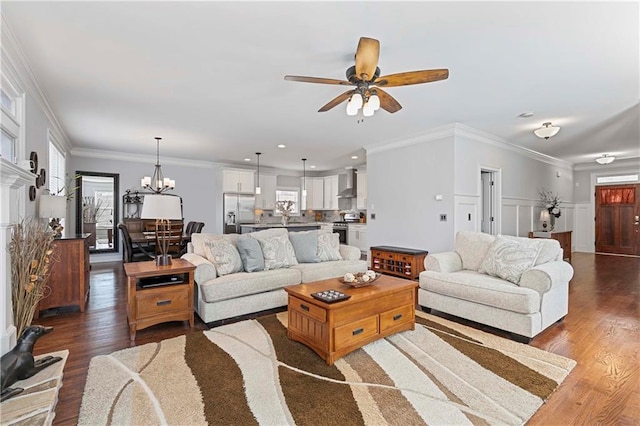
[238, 209]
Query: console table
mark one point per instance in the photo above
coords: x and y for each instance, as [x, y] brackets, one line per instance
[563, 237]
[398, 261]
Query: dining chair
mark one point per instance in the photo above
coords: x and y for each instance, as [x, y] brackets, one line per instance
[172, 237]
[130, 253]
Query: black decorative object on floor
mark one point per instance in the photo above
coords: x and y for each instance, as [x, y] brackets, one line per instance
[19, 364]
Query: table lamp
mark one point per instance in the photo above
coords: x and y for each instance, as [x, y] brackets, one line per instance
[544, 218]
[54, 208]
[162, 208]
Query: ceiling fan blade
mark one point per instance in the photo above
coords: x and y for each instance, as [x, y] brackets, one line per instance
[317, 80]
[412, 77]
[367, 58]
[336, 101]
[387, 102]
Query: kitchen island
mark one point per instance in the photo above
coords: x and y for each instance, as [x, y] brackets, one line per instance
[292, 227]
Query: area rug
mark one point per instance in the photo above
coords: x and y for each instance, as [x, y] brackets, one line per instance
[441, 373]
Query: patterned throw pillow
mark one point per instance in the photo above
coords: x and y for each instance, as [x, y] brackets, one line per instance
[329, 247]
[278, 252]
[224, 256]
[509, 257]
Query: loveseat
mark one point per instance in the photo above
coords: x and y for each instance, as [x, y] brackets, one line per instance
[222, 292]
[516, 284]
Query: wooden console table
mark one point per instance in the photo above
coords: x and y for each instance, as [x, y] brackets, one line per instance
[563, 237]
[70, 273]
[398, 261]
[162, 303]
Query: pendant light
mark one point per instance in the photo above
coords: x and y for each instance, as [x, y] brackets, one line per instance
[304, 177]
[258, 190]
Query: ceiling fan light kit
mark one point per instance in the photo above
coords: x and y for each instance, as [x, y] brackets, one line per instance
[365, 76]
[605, 159]
[546, 131]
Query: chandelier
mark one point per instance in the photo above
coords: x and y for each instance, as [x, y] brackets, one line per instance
[158, 183]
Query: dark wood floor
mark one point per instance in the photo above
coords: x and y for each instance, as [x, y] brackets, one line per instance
[601, 332]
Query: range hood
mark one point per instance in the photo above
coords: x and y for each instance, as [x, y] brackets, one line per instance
[350, 190]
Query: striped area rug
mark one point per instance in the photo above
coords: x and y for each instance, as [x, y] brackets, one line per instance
[442, 373]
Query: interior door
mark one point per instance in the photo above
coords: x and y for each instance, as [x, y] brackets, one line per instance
[618, 219]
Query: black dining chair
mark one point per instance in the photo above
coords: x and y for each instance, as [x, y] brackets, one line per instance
[130, 253]
[192, 228]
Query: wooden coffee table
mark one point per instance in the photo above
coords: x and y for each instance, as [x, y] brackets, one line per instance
[333, 330]
[155, 305]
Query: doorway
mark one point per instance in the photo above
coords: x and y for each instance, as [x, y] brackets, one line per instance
[618, 219]
[488, 201]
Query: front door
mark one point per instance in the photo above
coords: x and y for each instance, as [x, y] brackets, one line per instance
[618, 219]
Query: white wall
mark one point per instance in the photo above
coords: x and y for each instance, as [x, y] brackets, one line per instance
[402, 182]
[405, 176]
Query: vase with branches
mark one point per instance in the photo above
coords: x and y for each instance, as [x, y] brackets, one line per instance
[92, 209]
[285, 208]
[550, 201]
[30, 250]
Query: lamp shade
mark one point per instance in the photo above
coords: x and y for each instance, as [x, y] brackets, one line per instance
[161, 207]
[52, 206]
[546, 131]
[544, 215]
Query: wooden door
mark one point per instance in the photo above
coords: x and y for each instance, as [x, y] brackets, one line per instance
[618, 219]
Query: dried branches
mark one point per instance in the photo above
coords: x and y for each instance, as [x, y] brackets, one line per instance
[30, 250]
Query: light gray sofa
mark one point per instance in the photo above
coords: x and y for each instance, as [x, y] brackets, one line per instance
[452, 283]
[242, 293]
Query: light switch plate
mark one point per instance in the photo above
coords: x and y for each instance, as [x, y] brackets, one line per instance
[443, 218]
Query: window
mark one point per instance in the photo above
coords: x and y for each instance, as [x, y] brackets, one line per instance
[289, 195]
[57, 170]
[11, 119]
[616, 179]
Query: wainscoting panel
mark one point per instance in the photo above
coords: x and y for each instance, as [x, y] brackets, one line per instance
[509, 219]
[583, 230]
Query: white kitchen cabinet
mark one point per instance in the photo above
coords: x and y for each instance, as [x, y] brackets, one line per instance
[357, 237]
[331, 192]
[315, 194]
[267, 197]
[234, 180]
[361, 191]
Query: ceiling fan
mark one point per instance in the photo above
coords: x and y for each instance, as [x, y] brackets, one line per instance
[365, 76]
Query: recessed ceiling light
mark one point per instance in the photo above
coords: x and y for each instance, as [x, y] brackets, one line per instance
[312, 167]
[247, 159]
[282, 145]
[354, 157]
[525, 115]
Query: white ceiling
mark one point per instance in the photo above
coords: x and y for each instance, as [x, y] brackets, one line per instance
[208, 76]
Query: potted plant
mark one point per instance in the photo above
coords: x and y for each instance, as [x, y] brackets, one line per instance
[30, 250]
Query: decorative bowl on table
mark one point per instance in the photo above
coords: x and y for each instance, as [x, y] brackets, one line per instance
[360, 279]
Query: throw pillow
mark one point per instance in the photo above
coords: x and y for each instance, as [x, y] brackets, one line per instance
[250, 253]
[508, 258]
[224, 256]
[278, 252]
[329, 247]
[305, 245]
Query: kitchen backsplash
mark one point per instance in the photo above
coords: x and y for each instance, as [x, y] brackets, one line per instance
[267, 216]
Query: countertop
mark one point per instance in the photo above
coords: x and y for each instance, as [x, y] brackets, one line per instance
[280, 225]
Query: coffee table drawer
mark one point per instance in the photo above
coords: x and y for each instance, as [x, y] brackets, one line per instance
[395, 317]
[307, 309]
[151, 302]
[352, 333]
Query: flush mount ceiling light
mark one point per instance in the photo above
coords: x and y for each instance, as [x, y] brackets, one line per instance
[546, 131]
[605, 159]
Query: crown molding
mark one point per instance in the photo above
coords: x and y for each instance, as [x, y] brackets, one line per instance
[14, 59]
[457, 129]
[142, 158]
